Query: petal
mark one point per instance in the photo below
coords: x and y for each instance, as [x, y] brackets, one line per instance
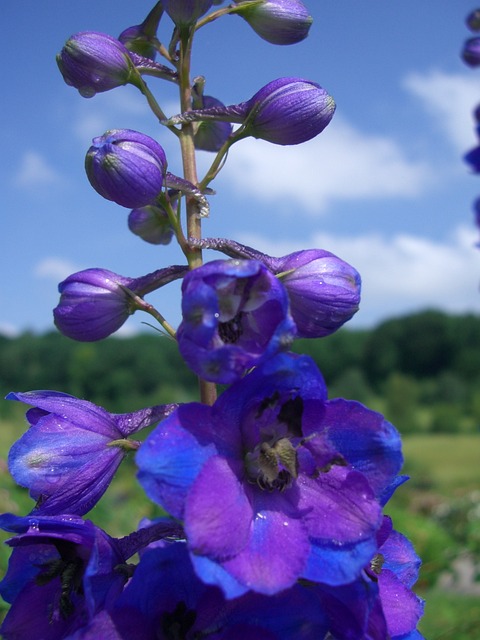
[402, 607]
[340, 564]
[277, 550]
[173, 454]
[369, 443]
[400, 557]
[218, 514]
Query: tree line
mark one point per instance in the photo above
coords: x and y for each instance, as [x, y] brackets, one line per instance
[421, 370]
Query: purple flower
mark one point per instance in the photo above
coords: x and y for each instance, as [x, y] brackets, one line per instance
[94, 62]
[184, 607]
[235, 315]
[72, 449]
[473, 159]
[277, 21]
[323, 290]
[186, 12]
[96, 302]
[396, 567]
[471, 52]
[141, 38]
[286, 111]
[473, 20]
[273, 482]
[127, 167]
[151, 223]
[61, 572]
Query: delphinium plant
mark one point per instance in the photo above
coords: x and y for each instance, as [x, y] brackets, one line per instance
[274, 497]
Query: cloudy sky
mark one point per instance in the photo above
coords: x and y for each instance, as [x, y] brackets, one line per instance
[384, 186]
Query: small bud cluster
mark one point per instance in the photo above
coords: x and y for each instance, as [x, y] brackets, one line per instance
[273, 495]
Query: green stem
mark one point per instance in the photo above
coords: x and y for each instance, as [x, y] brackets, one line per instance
[208, 390]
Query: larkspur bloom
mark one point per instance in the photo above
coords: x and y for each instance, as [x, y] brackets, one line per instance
[186, 12]
[235, 315]
[71, 451]
[277, 21]
[94, 62]
[63, 571]
[471, 52]
[273, 482]
[210, 135]
[127, 167]
[151, 223]
[473, 159]
[323, 290]
[286, 111]
[184, 607]
[95, 303]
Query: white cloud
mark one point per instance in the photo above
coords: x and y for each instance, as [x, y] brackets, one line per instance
[54, 269]
[9, 330]
[403, 273]
[450, 99]
[35, 171]
[340, 164]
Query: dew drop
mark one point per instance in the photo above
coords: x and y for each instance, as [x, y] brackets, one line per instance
[33, 524]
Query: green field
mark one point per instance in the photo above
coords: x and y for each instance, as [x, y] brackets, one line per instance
[438, 509]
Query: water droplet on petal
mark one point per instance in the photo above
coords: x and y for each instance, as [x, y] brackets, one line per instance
[33, 524]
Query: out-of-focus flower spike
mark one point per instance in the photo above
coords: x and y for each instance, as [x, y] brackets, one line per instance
[276, 21]
[473, 20]
[471, 52]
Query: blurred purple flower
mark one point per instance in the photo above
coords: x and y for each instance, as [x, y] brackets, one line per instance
[94, 303]
[277, 21]
[235, 315]
[71, 451]
[471, 52]
[127, 167]
[273, 482]
[151, 223]
[473, 20]
[141, 38]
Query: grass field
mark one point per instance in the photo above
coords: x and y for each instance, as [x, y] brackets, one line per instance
[438, 509]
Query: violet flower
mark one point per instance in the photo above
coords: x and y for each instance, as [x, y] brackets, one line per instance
[235, 315]
[323, 290]
[71, 451]
[471, 52]
[473, 158]
[127, 167]
[94, 62]
[184, 607]
[473, 20]
[185, 12]
[277, 21]
[286, 111]
[95, 303]
[210, 135]
[273, 482]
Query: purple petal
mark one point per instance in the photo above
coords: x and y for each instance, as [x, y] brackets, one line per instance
[217, 522]
[277, 550]
[402, 607]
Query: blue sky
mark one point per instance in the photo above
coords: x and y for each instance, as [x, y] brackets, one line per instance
[384, 186]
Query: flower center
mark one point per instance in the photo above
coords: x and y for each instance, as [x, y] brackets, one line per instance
[231, 330]
[272, 465]
[176, 625]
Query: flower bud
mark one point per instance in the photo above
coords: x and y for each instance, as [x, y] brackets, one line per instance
[127, 167]
[141, 38]
[285, 111]
[324, 291]
[277, 21]
[211, 135]
[93, 62]
[186, 12]
[471, 52]
[151, 223]
[473, 20]
[95, 303]
[473, 159]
